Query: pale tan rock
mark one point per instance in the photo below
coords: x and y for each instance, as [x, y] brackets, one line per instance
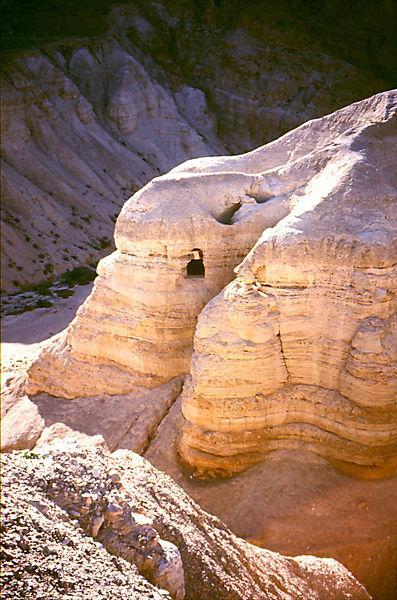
[61, 436]
[136, 328]
[21, 426]
[87, 122]
[271, 368]
[301, 349]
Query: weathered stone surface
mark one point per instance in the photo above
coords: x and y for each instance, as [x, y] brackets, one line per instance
[136, 328]
[21, 425]
[301, 349]
[297, 353]
[44, 554]
[88, 120]
[125, 421]
[82, 129]
[154, 531]
[268, 67]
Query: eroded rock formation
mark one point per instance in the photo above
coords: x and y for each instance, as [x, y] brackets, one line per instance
[301, 348]
[111, 96]
[66, 502]
[136, 328]
[297, 354]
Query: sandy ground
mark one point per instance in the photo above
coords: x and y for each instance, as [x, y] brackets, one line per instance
[22, 336]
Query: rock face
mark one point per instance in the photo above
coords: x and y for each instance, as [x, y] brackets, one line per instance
[88, 120]
[301, 348]
[45, 555]
[178, 241]
[66, 502]
[268, 67]
[82, 128]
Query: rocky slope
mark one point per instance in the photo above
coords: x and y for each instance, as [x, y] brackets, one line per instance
[82, 128]
[66, 506]
[105, 103]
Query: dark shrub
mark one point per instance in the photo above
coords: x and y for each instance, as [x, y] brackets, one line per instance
[105, 242]
[43, 304]
[78, 276]
[42, 288]
[64, 293]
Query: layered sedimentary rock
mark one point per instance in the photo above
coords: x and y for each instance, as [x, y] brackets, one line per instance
[268, 67]
[108, 99]
[301, 348]
[136, 328]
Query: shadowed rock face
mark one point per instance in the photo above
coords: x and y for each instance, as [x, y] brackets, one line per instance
[301, 348]
[82, 128]
[108, 99]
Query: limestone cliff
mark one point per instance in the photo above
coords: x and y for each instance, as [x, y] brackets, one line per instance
[301, 348]
[99, 98]
[177, 244]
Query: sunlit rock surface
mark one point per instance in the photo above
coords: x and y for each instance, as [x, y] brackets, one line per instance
[97, 100]
[301, 348]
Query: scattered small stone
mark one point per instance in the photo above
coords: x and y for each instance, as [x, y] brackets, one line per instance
[115, 476]
[96, 524]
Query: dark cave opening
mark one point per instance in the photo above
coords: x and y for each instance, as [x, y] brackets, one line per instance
[195, 267]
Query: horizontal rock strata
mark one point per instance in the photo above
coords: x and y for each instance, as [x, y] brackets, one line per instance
[136, 328]
[301, 349]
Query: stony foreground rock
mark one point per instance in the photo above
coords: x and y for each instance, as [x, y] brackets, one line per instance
[82, 521]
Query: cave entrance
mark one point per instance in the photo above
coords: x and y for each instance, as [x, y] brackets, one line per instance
[195, 268]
